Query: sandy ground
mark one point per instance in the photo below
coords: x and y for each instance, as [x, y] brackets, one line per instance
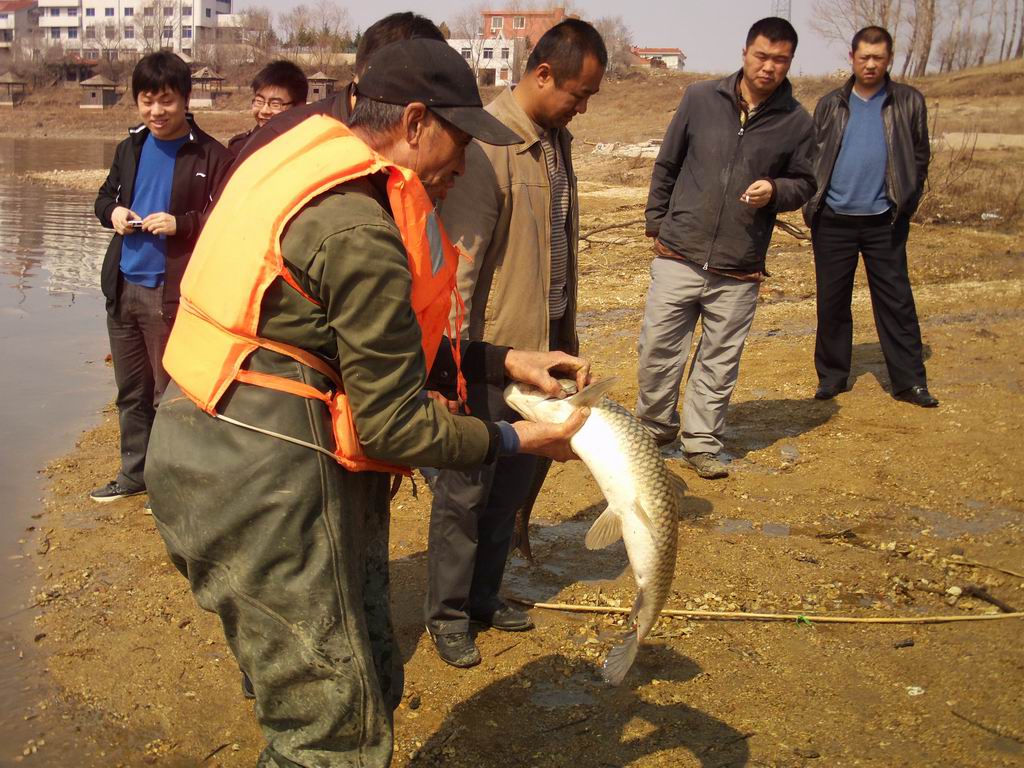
[861, 506]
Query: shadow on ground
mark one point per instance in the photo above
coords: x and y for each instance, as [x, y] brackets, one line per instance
[565, 716]
[560, 560]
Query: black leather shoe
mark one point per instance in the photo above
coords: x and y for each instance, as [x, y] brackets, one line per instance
[457, 649]
[918, 395]
[507, 619]
[247, 690]
[825, 392]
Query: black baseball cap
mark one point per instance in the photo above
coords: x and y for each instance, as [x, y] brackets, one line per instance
[433, 73]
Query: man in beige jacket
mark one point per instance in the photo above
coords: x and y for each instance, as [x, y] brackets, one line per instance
[514, 214]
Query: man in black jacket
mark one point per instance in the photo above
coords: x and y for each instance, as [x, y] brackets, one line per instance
[397, 26]
[872, 164]
[161, 180]
[738, 151]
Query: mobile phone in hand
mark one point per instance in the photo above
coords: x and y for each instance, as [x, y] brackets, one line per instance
[135, 223]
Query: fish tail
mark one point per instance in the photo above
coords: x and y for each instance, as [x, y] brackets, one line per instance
[620, 659]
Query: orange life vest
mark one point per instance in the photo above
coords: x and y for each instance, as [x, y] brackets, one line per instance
[238, 256]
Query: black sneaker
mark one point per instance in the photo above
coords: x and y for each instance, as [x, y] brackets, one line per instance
[506, 618]
[457, 649]
[113, 491]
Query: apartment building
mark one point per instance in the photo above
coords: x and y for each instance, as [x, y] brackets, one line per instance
[18, 20]
[490, 58]
[112, 28]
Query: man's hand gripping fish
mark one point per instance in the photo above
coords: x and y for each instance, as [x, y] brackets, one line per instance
[643, 498]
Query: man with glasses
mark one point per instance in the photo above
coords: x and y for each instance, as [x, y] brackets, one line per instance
[277, 87]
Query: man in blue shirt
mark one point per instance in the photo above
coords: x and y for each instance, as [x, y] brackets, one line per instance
[872, 164]
[159, 184]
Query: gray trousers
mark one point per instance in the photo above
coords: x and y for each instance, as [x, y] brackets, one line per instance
[138, 334]
[680, 293]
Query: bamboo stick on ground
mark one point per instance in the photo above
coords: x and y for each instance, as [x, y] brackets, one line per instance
[798, 617]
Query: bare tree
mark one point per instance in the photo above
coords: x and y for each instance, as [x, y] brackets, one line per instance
[295, 26]
[618, 40]
[839, 20]
[257, 34]
[467, 22]
[330, 27]
[925, 21]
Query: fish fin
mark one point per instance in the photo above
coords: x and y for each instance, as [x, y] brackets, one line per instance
[644, 517]
[607, 529]
[592, 395]
[620, 659]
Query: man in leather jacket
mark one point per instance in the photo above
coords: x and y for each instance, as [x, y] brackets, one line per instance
[872, 163]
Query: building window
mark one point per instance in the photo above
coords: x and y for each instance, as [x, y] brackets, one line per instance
[518, 22]
[72, 11]
[129, 32]
[72, 33]
[168, 10]
[496, 22]
[108, 11]
[209, 13]
[55, 33]
[3, 16]
[504, 73]
[147, 32]
[504, 53]
[187, 51]
[168, 32]
[186, 10]
[90, 33]
[186, 32]
[55, 11]
[90, 11]
[148, 10]
[488, 53]
[110, 32]
[129, 11]
[466, 53]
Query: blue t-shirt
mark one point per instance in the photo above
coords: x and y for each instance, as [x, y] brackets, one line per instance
[143, 256]
[858, 179]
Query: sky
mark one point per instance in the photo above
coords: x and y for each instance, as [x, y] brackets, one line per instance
[711, 34]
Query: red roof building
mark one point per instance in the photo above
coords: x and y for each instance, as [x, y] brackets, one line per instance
[667, 58]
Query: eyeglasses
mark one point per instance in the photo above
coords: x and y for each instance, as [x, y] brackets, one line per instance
[277, 105]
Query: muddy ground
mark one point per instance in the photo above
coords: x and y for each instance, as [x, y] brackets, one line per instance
[860, 506]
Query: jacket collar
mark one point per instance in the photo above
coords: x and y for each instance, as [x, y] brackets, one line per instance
[781, 99]
[139, 133]
[847, 90]
[507, 110]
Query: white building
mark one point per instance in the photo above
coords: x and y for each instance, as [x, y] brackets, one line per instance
[492, 59]
[19, 20]
[110, 28]
[666, 58]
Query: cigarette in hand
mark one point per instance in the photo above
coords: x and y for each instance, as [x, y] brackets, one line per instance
[746, 198]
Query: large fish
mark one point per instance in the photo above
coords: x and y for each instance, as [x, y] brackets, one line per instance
[643, 498]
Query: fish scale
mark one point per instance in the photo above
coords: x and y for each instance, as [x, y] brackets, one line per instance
[643, 498]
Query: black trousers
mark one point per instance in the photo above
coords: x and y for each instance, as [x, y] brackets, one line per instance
[472, 519]
[138, 334]
[471, 524]
[838, 241]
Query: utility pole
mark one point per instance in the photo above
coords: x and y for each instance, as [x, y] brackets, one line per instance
[782, 8]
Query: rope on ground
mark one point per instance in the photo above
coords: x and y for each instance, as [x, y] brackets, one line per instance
[802, 618]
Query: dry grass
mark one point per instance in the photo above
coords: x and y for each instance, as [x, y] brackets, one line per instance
[965, 184]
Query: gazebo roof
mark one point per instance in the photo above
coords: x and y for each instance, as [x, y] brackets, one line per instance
[9, 78]
[206, 74]
[98, 81]
[320, 76]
